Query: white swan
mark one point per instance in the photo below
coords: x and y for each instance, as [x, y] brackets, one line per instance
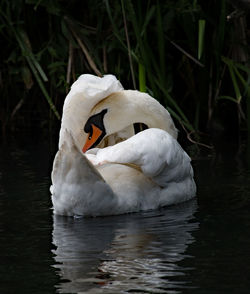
[137, 163]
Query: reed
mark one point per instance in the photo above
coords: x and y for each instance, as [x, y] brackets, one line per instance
[184, 53]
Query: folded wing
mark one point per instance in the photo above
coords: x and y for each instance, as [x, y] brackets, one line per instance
[77, 187]
[160, 157]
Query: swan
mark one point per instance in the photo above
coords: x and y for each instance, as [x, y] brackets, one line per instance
[118, 153]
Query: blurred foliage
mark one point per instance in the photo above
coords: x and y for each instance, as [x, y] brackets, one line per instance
[191, 55]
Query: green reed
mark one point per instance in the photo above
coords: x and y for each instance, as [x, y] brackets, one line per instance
[181, 52]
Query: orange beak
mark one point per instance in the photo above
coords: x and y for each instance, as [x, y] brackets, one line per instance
[92, 139]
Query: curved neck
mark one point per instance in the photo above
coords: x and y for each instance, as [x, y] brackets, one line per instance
[128, 107]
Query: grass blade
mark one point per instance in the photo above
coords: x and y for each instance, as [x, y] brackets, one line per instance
[180, 116]
[114, 27]
[25, 45]
[87, 54]
[160, 40]
[228, 98]
[128, 44]
[42, 87]
[235, 83]
[243, 81]
[201, 33]
[142, 78]
[33, 66]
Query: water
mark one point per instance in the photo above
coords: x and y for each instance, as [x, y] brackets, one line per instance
[201, 246]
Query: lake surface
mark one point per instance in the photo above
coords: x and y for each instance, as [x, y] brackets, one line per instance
[202, 246]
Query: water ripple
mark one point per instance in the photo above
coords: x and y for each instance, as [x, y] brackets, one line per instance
[132, 253]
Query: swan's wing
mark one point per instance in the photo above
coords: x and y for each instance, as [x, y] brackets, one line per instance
[157, 153]
[77, 187]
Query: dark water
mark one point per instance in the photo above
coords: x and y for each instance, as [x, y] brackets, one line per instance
[202, 246]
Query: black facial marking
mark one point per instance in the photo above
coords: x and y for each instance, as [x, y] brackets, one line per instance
[138, 127]
[97, 120]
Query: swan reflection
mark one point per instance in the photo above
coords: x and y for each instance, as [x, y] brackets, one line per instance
[136, 252]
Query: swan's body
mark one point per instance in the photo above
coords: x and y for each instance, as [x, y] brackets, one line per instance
[134, 172]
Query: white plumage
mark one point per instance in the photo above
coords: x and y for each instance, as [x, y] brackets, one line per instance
[141, 171]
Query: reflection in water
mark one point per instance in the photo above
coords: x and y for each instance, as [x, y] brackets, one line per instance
[131, 253]
[142, 252]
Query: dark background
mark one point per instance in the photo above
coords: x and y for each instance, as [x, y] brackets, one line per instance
[192, 56]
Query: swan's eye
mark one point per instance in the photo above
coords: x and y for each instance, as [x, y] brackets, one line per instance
[90, 137]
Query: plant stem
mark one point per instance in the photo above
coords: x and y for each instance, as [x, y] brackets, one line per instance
[128, 44]
[142, 78]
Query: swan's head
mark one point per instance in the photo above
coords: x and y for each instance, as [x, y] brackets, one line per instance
[98, 112]
[86, 92]
[123, 114]
[95, 129]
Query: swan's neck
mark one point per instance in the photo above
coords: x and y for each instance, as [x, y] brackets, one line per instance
[76, 112]
[129, 107]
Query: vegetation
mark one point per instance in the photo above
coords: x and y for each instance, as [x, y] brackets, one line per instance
[191, 55]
